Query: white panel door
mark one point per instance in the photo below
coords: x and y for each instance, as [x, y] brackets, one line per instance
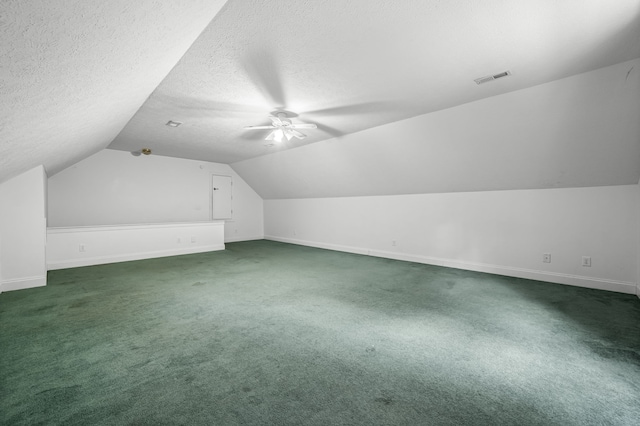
[221, 197]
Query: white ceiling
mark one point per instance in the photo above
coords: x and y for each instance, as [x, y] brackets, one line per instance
[349, 66]
[580, 131]
[75, 75]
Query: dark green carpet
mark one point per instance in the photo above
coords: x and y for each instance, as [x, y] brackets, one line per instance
[270, 333]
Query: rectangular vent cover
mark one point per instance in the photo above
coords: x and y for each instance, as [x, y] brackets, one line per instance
[489, 78]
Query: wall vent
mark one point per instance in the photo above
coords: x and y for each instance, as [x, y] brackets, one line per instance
[489, 78]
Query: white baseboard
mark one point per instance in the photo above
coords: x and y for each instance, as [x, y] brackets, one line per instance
[100, 260]
[23, 283]
[239, 239]
[327, 246]
[532, 274]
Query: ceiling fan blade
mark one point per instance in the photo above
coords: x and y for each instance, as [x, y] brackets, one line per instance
[332, 131]
[361, 108]
[297, 134]
[303, 126]
[289, 134]
[276, 121]
[270, 136]
[259, 127]
[264, 71]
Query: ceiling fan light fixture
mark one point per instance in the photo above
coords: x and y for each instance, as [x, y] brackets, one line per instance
[278, 135]
[283, 127]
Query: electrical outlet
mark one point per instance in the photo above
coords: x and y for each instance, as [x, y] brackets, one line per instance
[546, 258]
[82, 248]
[586, 261]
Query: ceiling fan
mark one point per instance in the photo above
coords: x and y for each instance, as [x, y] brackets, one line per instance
[282, 127]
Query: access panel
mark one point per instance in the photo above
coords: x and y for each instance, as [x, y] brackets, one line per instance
[221, 197]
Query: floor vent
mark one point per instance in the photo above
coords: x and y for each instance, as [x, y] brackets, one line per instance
[489, 78]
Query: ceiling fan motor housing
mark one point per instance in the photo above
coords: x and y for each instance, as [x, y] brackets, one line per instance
[282, 127]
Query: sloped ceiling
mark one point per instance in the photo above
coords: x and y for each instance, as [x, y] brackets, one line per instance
[76, 73]
[353, 65]
[579, 131]
[73, 73]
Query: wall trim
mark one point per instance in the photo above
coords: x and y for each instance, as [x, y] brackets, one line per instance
[23, 283]
[101, 260]
[532, 274]
[111, 228]
[239, 239]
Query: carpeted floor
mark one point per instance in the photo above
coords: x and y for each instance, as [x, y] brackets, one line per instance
[267, 333]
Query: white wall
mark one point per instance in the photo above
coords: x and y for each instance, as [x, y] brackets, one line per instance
[503, 232]
[115, 188]
[23, 231]
[1, 280]
[638, 246]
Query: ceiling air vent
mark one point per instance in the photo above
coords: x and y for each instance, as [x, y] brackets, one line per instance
[489, 78]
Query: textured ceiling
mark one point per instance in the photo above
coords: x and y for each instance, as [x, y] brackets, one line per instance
[354, 65]
[77, 76]
[72, 73]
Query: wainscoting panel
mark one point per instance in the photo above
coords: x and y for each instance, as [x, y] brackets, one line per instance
[83, 246]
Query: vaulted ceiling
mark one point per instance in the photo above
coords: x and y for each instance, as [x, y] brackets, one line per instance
[78, 77]
[73, 73]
